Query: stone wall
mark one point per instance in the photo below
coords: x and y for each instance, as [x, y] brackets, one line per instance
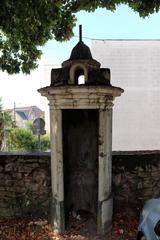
[25, 182]
[136, 178]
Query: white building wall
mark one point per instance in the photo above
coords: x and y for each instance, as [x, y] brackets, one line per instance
[135, 66]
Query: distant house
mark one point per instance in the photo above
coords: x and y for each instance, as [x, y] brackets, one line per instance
[23, 115]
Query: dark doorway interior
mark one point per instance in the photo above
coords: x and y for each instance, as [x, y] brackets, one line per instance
[80, 149]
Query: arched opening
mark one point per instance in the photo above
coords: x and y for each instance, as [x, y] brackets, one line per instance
[79, 76]
[81, 80]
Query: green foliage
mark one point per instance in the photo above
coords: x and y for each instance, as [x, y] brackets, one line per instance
[44, 143]
[22, 139]
[26, 25]
[5, 117]
[29, 125]
[5, 122]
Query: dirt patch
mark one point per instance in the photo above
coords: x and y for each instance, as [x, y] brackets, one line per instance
[124, 228]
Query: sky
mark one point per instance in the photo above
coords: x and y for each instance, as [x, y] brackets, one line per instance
[102, 24]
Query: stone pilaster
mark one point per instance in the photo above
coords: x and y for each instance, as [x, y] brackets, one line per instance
[105, 205]
[57, 215]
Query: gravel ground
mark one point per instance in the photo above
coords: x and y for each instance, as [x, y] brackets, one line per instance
[124, 228]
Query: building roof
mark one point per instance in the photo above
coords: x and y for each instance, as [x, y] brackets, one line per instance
[22, 115]
[28, 113]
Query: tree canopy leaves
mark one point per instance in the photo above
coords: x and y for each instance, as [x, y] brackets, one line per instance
[27, 25]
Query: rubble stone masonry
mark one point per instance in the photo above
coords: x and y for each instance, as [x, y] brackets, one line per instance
[25, 182]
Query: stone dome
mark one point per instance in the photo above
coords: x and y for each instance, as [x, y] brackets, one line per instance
[80, 51]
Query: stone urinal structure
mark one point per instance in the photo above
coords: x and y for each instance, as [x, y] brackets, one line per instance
[81, 101]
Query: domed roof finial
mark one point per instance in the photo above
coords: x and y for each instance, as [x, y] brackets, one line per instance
[80, 33]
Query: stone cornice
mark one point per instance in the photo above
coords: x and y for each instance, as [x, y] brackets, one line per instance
[81, 97]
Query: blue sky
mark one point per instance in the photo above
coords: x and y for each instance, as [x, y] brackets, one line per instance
[102, 24]
[123, 23]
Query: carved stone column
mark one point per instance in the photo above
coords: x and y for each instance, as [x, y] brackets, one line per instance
[105, 170]
[57, 204]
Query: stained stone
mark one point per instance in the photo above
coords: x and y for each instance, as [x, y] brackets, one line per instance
[81, 139]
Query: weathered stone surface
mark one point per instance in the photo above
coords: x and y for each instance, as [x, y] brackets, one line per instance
[9, 167]
[27, 168]
[17, 175]
[2, 175]
[1, 169]
[5, 213]
[138, 181]
[131, 172]
[22, 181]
[39, 176]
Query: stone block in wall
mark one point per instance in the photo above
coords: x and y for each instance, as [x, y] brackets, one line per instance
[147, 182]
[155, 174]
[9, 167]
[29, 160]
[6, 212]
[39, 176]
[34, 187]
[17, 176]
[8, 193]
[27, 167]
[156, 192]
[1, 169]
[148, 193]
[9, 183]
[19, 189]
[155, 168]
[2, 176]
[2, 188]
